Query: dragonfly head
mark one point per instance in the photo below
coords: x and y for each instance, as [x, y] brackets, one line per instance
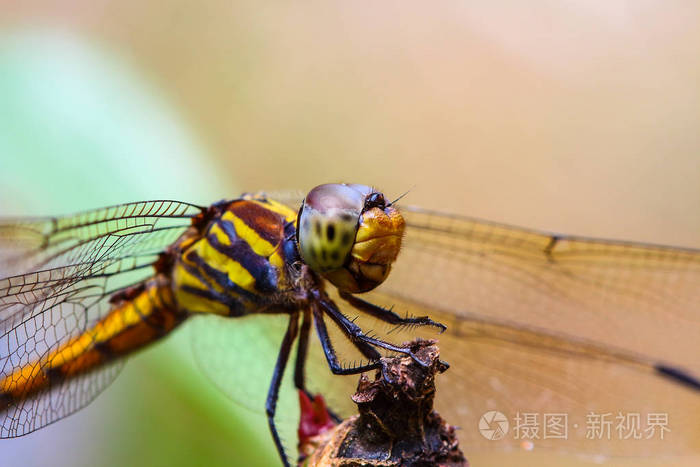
[349, 234]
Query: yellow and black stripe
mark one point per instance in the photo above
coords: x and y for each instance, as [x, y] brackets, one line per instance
[231, 264]
[239, 263]
[146, 313]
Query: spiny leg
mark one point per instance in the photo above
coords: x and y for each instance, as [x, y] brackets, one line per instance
[332, 357]
[273, 392]
[388, 315]
[358, 337]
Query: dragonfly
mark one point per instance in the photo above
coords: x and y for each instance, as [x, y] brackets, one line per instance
[533, 324]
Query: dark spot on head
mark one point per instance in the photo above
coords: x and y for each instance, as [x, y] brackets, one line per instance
[346, 238]
[314, 255]
[335, 256]
[330, 232]
[346, 217]
[317, 226]
[375, 200]
[323, 255]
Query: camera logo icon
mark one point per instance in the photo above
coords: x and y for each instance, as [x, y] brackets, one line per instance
[493, 425]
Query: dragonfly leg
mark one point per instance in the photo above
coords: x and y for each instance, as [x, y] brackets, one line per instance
[354, 332]
[302, 351]
[388, 315]
[273, 392]
[299, 366]
[332, 357]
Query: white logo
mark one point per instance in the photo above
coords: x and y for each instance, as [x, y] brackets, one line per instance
[493, 425]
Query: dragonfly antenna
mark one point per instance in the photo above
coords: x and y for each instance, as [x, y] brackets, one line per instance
[405, 193]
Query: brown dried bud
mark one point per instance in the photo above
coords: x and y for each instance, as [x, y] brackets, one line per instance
[397, 425]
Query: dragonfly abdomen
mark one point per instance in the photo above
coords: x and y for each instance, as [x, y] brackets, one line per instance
[148, 313]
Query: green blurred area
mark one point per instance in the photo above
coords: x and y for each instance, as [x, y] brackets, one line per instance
[81, 130]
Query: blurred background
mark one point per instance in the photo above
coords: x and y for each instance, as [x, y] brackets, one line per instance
[572, 116]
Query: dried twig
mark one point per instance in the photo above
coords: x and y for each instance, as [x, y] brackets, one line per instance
[396, 425]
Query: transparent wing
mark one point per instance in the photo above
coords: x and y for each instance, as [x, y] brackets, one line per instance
[642, 298]
[28, 245]
[549, 324]
[238, 355]
[59, 401]
[71, 248]
[70, 266]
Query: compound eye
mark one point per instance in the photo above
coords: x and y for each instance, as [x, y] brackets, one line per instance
[327, 226]
[374, 200]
